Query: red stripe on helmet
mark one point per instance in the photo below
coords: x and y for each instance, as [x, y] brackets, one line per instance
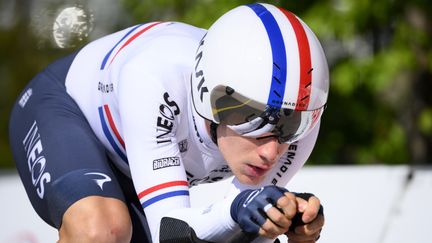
[305, 61]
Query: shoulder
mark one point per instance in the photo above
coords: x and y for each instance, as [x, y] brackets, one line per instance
[160, 65]
[167, 43]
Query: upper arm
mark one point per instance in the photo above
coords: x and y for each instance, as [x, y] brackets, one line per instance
[151, 115]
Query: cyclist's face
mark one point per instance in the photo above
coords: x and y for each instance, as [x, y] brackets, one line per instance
[250, 159]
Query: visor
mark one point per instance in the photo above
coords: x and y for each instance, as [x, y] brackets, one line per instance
[253, 119]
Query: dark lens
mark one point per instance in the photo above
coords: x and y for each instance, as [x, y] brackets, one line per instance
[287, 112]
[233, 112]
[288, 125]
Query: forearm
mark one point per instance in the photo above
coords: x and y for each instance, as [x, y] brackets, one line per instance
[211, 223]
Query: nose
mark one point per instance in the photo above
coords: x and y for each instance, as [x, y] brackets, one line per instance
[269, 150]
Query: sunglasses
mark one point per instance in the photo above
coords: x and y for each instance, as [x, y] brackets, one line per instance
[250, 118]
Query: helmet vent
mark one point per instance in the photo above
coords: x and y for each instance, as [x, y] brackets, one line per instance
[276, 93]
[274, 76]
[307, 96]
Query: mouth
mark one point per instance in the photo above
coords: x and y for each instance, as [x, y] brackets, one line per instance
[255, 171]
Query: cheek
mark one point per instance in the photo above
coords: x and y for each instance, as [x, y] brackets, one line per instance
[232, 158]
[283, 148]
[229, 148]
[232, 147]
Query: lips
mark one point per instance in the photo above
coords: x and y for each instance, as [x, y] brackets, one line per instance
[255, 171]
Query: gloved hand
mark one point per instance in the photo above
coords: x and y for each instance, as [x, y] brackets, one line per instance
[267, 211]
[297, 220]
[309, 220]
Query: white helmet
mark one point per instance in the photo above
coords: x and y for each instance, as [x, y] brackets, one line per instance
[261, 70]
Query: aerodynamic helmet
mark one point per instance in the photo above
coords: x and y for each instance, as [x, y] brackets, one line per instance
[261, 70]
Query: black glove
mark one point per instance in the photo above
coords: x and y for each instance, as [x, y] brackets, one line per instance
[297, 220]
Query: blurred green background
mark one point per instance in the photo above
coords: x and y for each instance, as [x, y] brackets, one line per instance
[379, 52]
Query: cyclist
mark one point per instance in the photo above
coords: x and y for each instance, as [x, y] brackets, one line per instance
[108, 140]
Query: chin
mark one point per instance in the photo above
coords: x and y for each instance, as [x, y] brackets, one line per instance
[250, 181]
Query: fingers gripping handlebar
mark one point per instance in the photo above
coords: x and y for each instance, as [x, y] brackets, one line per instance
[297, 220]
[250, 214]
[247, 210]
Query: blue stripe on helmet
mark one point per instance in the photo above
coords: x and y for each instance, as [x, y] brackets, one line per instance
[278, 81]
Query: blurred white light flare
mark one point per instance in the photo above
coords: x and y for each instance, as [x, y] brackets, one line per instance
[71, 26]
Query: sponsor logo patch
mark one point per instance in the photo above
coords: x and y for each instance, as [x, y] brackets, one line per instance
[199, 73]
[36, 160]
[165, 121]
[25, 97]
[166, 162]
[183, 146]
[213, 176]
[106, 88]
[102, 178]
[285, 163]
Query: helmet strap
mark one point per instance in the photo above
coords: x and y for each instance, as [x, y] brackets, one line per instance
[213, 132]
